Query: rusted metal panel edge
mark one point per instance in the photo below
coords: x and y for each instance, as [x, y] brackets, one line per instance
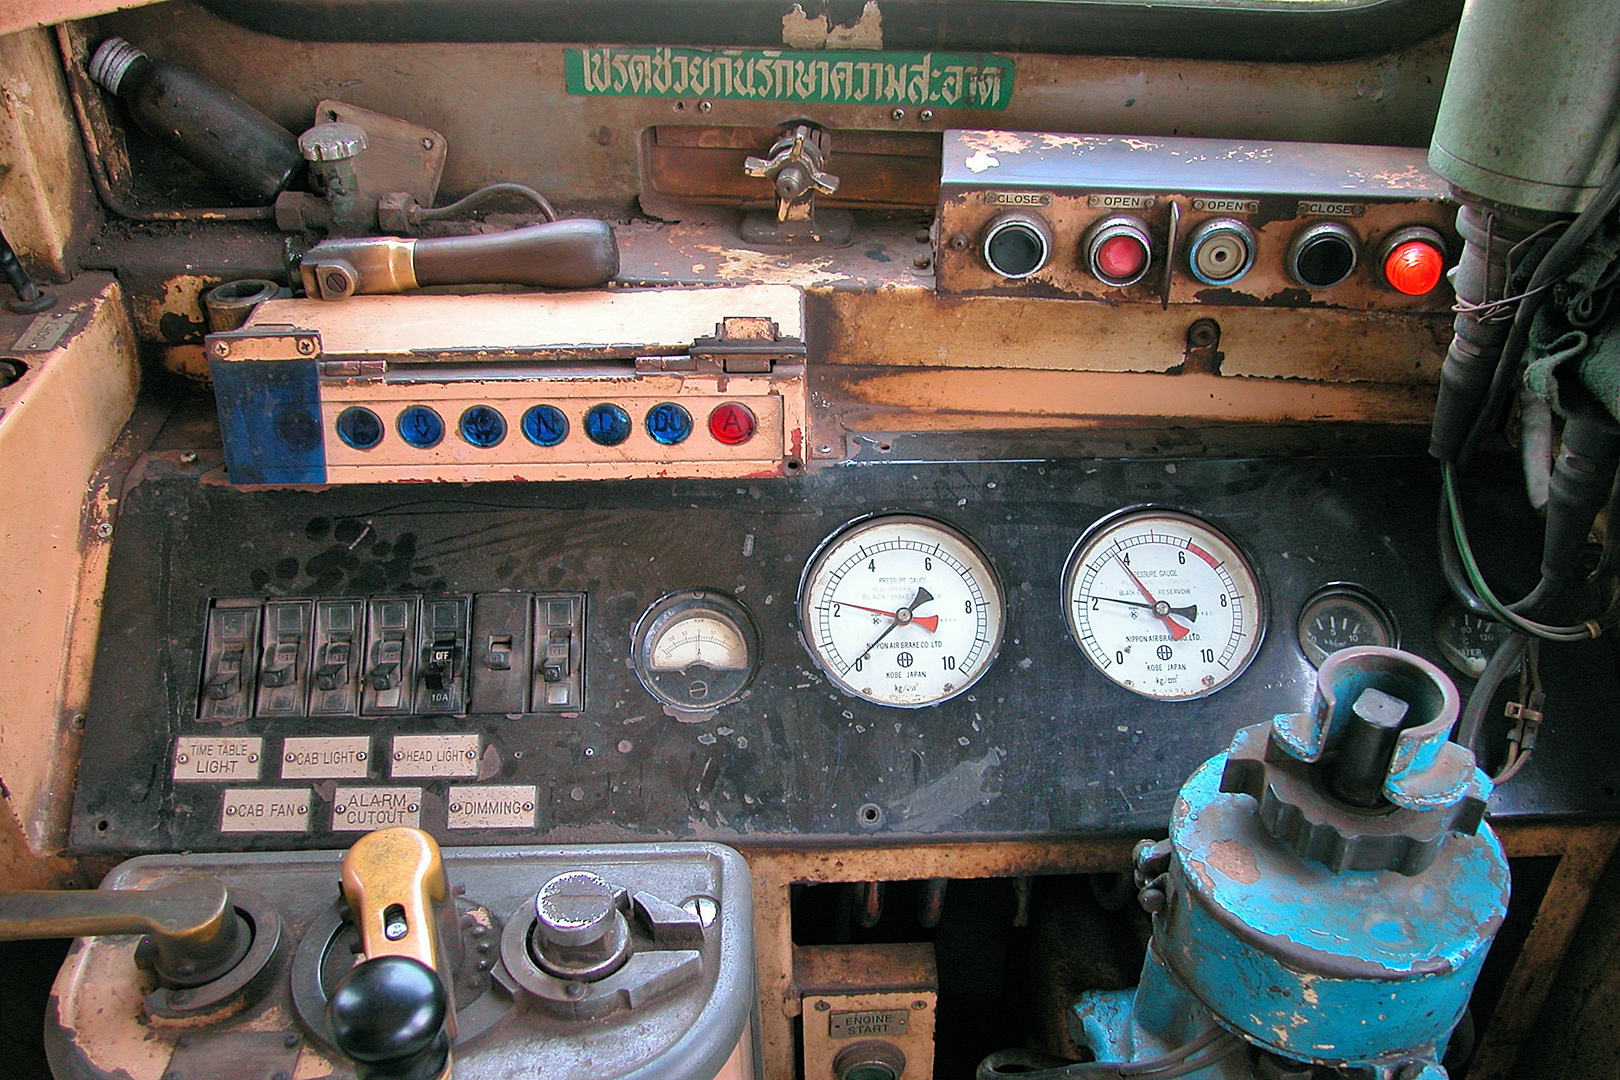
[973, 399]
[1585, 852]
[910, 326]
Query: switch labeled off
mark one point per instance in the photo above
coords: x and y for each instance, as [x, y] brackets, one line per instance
[230, 660]
[441, 680]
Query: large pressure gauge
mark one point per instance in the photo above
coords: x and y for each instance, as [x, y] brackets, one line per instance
[1163, 604]
[901, 610]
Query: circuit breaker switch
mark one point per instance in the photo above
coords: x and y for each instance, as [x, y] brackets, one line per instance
[558, 674]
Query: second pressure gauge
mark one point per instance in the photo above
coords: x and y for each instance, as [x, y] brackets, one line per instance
[1164, 604]
[901, 610]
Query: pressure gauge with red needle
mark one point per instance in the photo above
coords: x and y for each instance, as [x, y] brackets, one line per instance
[901, 610]
[1164, 604]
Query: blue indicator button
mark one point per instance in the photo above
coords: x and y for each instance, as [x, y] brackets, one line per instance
[483, 426]
[545, 425]
[359, 427]
[607, 425]
[669, 423]
[421, 427]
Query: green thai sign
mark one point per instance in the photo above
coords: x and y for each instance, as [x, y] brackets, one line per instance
[917, 80]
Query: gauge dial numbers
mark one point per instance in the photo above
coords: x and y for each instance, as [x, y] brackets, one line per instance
[696, 650]
[901, 610]
[1164, 604]
[1343, 617]
[1466, 640]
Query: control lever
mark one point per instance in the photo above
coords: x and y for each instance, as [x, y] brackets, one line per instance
[577, 253]
[197, 933]
[393, 1013]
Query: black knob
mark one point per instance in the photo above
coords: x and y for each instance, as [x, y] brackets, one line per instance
[388, 1014]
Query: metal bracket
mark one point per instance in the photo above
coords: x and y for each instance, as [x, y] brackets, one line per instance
[748, 345]
[264, 341]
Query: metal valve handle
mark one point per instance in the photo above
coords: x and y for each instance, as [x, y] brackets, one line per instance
[196, 931]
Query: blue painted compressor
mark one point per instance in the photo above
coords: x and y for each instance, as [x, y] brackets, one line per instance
[1327, 893]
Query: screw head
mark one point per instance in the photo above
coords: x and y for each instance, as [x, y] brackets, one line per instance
[919, 1005]
[104, 530]
[306, 346]
[926, 115]
[427, 144]
[898, 114]
[705, 106]
[222, 348]
[822, 1006]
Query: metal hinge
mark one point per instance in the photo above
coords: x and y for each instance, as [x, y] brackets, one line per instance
[748, 345]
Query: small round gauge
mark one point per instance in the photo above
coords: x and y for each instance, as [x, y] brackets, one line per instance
[901, 610]
[1466, 640]
[1164, 604]
[696, 650]
[1343, 616]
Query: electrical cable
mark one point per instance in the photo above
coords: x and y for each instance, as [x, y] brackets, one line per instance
[440, 213]
[1553, 265]
[1181, 1061]
[1507, 656]
[1590, 628]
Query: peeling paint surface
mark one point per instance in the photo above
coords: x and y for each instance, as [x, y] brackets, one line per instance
[799, 31]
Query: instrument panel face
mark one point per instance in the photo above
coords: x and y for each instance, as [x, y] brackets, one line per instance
[595, 662]
[1164, 604]
[901, 610]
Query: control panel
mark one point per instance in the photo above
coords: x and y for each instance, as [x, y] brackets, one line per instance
[396, 959]
[1177, 220]
[704, 382]
[858, 653]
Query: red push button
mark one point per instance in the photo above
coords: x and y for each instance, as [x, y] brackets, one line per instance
[731, 423]
[1414, 267]
[1120, 257]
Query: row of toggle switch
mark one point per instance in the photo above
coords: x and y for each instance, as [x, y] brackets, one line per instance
[394, 655]
[730, 423]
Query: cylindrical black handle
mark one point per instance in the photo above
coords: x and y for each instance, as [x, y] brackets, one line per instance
[387, 1014]
[1581, 482]
[577, 253]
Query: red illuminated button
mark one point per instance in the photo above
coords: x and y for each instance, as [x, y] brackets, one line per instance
[1120, 258]
[1414, 267]
[731, 423]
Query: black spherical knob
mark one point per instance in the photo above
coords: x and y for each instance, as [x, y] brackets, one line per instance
[389, 1009]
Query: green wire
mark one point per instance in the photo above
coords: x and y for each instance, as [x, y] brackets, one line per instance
[1582, 632]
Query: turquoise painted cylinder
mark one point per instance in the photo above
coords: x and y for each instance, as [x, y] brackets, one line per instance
[1359, 966]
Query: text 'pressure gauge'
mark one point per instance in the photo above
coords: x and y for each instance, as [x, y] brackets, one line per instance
[901, 610]
[696, 650]
[1163, 604]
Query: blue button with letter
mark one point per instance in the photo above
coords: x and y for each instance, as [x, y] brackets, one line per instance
[545, 425]
[359, 427]
[668, 423]
[483, 426]
[420, 426]
[607, 424]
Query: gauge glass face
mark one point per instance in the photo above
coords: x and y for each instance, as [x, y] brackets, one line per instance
[1466, 640]
[1343, 617]
[1164, 604]
[901, 611]
[696, 650]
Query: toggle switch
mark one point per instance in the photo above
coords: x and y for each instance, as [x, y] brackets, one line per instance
[284, 662]
[499, 676]
[335, 674]
[559, 633]
[442, 676]
[230, 660]
[390, 657]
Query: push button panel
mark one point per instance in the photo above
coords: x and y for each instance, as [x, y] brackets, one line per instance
[507, 653]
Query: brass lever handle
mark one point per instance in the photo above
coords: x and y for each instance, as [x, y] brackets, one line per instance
[197, 932]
